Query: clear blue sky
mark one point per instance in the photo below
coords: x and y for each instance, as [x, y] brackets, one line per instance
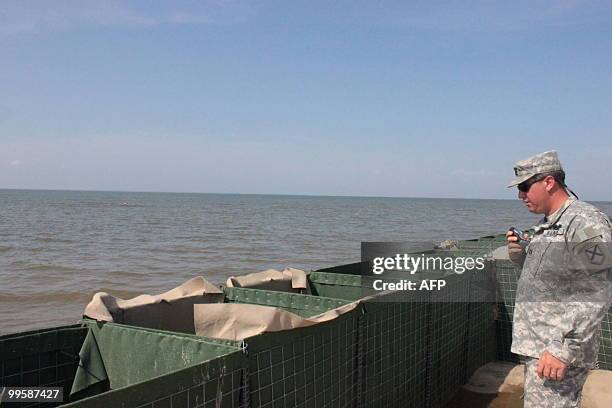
[417, 98]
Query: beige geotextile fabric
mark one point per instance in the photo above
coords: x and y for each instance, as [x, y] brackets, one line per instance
[289, 280]
[172, 310]
[235, 321]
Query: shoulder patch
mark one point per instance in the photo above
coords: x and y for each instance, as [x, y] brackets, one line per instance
[595, 253]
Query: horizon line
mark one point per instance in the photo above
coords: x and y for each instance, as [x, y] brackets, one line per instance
[262, 194]
[244, 194]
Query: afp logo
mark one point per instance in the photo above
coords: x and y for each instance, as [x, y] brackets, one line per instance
[432, 284]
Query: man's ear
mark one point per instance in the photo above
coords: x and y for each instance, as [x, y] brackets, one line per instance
[551, 183]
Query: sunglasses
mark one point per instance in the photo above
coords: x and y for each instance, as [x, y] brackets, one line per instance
[526, 185]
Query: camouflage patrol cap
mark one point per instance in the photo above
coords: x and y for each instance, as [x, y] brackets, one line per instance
[538, 164]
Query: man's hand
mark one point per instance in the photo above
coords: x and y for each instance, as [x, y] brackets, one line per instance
[516, 252]
[550, 367]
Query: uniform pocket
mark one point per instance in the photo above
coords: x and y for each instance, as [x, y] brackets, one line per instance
[539, 252]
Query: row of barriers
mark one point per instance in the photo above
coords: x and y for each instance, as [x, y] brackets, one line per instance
[389, 350]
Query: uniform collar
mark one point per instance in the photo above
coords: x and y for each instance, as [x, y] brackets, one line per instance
[550, 221]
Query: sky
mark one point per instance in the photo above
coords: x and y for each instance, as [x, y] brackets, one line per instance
[365, 98]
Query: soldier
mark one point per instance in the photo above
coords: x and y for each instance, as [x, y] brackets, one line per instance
[564, 289]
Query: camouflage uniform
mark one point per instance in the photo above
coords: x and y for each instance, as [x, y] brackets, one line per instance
[563, 292]
[543, 393]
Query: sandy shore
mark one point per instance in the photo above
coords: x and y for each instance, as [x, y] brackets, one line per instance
[500, 385]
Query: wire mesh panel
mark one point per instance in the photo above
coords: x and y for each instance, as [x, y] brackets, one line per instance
[41, 358]
[446, 371]
[312, 366]
[340, 286]
[392, 340]
[605, 349]
[415, 345]
[308, 367]
[315, 366]
[217, 383]
[107, 365]
[190, 369]
[393, 343]
[461, 327]
[450, 336]
[481, 341]
[503, 336]
[487, 338]
[302, 305]
[507, 275]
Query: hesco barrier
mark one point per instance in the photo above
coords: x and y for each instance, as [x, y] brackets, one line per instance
[462, 327]
[311, 366]
[416, 351]
[506, 276]
[461, 333]
[392, 342]
[314, 366]
[449, 319]
[482, 341]
[389, 351]
[48, 357]
[111, 365]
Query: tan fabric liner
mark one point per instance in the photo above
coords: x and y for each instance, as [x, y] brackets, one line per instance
[172, 310]
[236, 321]
[289, 280]
[197, 307]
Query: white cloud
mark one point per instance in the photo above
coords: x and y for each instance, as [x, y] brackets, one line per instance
[484, 15]
[14, 162]
[23, 16]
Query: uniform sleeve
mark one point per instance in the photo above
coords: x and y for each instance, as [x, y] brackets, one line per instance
[578, 331]
[590, 260]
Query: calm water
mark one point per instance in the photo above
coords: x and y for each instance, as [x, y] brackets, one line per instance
[58, 248]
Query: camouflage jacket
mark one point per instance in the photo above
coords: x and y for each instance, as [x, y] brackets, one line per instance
[564, 290]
